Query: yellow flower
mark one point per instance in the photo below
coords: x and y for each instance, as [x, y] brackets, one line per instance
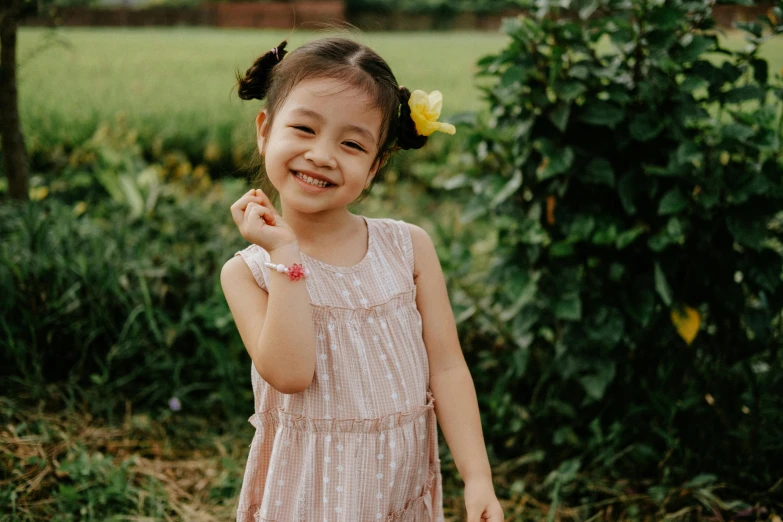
[687, 323]
[425, 111]
[80, 208]
[38, 193]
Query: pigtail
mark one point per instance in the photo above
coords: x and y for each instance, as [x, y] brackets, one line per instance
[407, 137]
[254, 84]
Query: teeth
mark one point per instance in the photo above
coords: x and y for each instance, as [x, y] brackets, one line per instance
[311, 181]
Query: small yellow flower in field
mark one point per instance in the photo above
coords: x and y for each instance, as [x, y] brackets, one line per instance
[199, 172]
[687, 323]
[425, 111]
[212, 152]
[710, 399]
[724, 158]
[80, 208]
[183, 169]
[39, 193]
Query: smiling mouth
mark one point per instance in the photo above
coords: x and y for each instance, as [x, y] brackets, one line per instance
[312, 181]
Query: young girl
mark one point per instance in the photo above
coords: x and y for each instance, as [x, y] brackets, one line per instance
[346, 318]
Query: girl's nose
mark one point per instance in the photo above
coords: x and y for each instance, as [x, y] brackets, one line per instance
[320, 154]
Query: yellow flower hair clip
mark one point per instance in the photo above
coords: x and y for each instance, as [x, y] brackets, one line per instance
[425, 111]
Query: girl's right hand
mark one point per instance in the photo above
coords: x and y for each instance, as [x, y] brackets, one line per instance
[259, 222]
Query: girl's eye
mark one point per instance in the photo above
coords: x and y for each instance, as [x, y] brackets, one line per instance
[354, 145]
[304, 129]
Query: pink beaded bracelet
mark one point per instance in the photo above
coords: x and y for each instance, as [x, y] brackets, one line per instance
[295, 272]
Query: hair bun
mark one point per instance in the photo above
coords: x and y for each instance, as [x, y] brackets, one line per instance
[254, 84]
[407, 137]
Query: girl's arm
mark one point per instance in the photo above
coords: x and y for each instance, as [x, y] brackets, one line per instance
[456, 406]
[276, 327]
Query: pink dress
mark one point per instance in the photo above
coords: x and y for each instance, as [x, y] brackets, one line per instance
[360, 444]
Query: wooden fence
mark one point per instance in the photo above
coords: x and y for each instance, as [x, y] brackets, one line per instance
[311, 14]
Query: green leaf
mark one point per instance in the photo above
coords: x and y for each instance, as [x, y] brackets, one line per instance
[579, 71]
[698, 46]
[692, 83]
[689, 153]
[508, 189]
[672, 202]
[595, 385]
[704, 479]
[581, 227]
[606, 235]
[760, 70]
[626, 189]
[599, 112]
[744, 93]
[747, 230]
[754, 28]
[555, 159]
[737, 131]
[569, 90]
[627, 237]
[513, 75]
[662, 286]
[640, 304]
[587, 10]
[604, 326]
[665, 17]
[599, 171]
[569, 306]
[559, 116]
[646, 126]
[561, 249]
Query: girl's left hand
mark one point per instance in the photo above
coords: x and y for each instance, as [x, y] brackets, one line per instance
[481, 502]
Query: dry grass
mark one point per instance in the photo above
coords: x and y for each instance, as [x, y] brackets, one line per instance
[71, 466]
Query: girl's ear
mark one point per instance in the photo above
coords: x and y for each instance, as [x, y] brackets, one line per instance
[262, 131]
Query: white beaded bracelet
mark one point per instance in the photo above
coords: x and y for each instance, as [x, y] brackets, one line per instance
[295, 272]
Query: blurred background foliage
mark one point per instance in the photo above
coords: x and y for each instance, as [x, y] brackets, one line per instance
[608, 219]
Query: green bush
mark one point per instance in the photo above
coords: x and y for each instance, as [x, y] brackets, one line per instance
[109, 287]
[626, 188]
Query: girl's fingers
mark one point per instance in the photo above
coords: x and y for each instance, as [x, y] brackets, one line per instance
[266, 201]
[259, 198]
[237, 213]
[263, 213]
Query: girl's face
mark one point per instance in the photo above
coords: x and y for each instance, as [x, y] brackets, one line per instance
[320, 149]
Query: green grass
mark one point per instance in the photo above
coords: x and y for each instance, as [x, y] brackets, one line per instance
[172, 82]
[175, 86]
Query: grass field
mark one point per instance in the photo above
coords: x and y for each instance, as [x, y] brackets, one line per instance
[169, 81]
[177, 84]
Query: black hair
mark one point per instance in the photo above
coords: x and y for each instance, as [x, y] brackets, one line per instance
[275, 73]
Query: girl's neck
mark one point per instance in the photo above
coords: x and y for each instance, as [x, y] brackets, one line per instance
[322, 233]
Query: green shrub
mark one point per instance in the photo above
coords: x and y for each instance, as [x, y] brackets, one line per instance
[618, 189]
[109, 286]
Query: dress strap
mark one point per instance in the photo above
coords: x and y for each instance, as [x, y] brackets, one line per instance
[406, 244]
[255, 257]
[398, 241]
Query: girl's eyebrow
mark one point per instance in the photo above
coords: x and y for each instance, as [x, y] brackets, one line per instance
[301, 111]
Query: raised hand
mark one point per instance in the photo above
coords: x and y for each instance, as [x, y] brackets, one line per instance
[259, 222]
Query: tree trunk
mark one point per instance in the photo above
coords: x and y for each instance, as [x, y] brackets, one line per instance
[14, 152]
